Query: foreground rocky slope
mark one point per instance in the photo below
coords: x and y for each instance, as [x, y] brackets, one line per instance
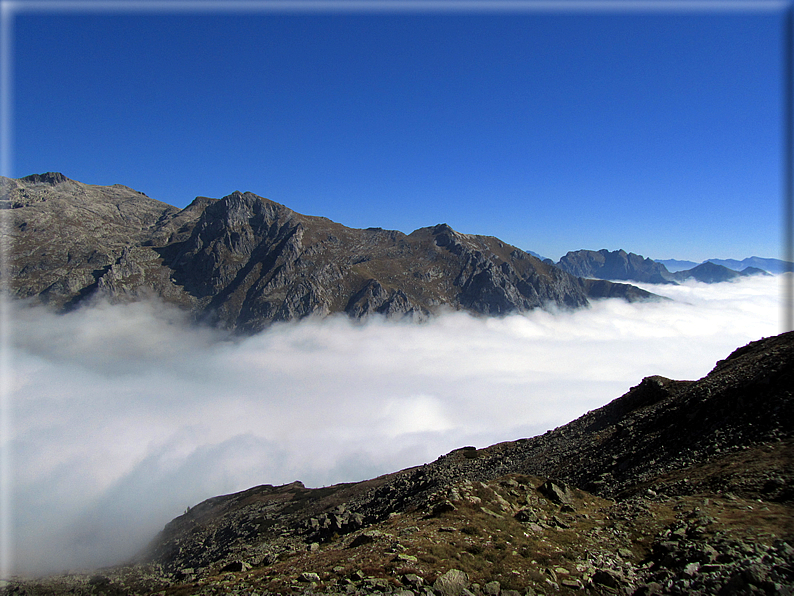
[677, 487]
[244, 261]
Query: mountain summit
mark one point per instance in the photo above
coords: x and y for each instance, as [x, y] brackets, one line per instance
[618, 264]
[243, 261]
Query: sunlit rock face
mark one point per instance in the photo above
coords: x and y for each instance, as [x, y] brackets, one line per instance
[243, 261]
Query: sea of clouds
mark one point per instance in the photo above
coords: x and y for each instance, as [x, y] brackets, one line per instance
[121, 416]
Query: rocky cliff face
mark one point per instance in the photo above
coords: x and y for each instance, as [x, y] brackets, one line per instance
[243, 261]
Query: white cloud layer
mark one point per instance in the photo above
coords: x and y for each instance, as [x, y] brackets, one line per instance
[124, 415]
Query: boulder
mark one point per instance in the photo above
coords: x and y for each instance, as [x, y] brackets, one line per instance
[452, 583]
[557, 492]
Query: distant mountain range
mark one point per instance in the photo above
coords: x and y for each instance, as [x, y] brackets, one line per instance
[768, 265]
[620, 265]
[243, 261]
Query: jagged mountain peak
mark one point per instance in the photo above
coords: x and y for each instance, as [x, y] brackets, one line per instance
[240, 206]
[201, 203]
[51, 178]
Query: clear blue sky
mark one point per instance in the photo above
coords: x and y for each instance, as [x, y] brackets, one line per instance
[658, 132]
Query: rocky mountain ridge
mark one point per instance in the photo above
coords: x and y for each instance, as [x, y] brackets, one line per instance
[617, 264]
[620, 265]
[677, 487]
[243, 261]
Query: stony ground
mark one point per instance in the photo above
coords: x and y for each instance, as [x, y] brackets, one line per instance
[519, 535]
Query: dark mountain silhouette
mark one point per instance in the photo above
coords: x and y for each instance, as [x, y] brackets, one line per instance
[243, 261]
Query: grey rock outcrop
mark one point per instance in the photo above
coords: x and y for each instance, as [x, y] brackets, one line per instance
[452, 583]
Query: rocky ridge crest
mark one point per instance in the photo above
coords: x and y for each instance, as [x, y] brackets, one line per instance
[243, 261]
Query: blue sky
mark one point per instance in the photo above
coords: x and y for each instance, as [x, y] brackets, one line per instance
[655, 131]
